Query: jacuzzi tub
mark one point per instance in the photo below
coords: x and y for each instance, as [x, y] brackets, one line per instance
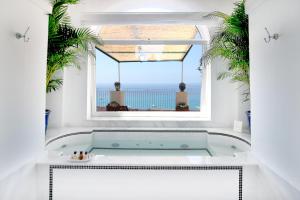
[150, 143]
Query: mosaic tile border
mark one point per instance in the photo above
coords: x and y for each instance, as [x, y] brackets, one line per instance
[140, 167]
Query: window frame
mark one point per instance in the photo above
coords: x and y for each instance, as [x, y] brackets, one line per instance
[203, 115]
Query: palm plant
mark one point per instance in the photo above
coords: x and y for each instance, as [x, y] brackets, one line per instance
[65, 42]
[231, 42]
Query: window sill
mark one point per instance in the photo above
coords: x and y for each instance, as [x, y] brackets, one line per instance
[150, 116]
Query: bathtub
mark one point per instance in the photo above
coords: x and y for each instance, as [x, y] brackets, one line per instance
[146, 164]
[150, 143]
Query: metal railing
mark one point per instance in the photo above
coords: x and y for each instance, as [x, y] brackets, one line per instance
[144, 99]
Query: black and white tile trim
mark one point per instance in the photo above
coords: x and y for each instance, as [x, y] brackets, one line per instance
[144, 167]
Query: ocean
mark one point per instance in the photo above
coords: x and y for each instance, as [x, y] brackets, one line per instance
[150, 96]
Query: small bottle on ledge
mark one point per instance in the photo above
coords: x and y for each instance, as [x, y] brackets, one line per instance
[80, 156]
[74, 156]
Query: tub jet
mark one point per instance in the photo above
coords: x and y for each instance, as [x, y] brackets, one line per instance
[115, 145]
[184, 146]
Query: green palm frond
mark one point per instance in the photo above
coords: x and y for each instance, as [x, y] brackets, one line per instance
[54, 84]
[217, 14]
[66, 44]
[224, 75]
[231, 42]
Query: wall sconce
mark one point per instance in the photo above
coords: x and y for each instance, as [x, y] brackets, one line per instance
[269, 37]
[24, 36]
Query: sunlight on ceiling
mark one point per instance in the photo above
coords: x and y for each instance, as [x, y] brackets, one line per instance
[145, 52]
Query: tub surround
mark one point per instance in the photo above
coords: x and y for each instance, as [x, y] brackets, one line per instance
[60, 132]
[86, 136]
[210, 170]
[243, 159]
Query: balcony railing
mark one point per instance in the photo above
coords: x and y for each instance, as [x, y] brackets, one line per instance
[138, 99]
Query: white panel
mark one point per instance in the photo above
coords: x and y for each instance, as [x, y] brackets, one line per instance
[78, 184]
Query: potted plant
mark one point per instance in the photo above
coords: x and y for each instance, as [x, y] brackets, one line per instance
[66, 44]
[182, 107]
[47, 113]
[182, 86]
[231, 42]
[117, 86]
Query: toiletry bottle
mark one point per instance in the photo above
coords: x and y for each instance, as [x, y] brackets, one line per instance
[86, 156]
[80, 156]
[74, 156]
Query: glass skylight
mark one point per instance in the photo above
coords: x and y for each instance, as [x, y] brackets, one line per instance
[121, 35]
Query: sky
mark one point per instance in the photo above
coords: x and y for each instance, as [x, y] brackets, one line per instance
[148, 72]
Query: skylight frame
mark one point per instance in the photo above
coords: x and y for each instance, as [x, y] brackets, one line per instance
[133, 39]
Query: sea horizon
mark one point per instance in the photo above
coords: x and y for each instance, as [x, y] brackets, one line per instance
[151, 95]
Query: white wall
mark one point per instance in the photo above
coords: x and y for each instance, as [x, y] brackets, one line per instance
[90, 11]
[22, 86]
[56, 105]
[156, 6]
[275, 86]
[70, 102]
